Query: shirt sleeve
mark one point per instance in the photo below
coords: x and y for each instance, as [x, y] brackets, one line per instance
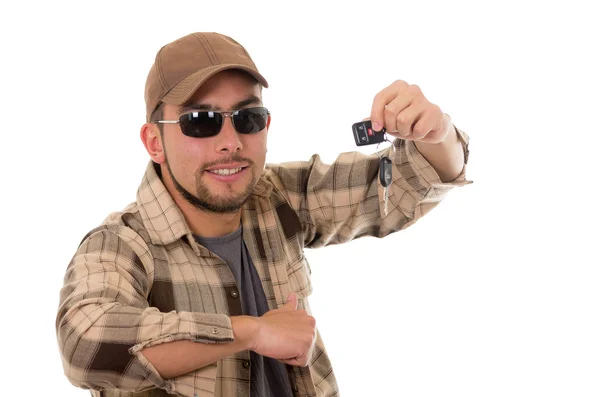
[104, 319]
[344, 200]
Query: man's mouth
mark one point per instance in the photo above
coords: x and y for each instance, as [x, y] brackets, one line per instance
[226, 171]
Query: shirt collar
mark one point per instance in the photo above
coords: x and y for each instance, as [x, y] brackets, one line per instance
[162, 218]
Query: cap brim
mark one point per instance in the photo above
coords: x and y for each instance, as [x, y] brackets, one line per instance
[184, 90]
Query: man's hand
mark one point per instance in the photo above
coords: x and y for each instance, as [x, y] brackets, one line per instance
[286, 334]
[405, 113]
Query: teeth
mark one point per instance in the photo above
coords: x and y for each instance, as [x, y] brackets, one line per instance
[228, 171]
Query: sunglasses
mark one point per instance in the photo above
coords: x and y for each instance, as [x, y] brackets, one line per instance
[209, 123]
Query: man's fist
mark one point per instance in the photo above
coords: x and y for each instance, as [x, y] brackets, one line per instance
[286, 334]
[405, 113]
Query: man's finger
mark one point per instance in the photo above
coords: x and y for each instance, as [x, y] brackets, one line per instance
[292, 302]
[430, 120]
[384, 97]
[294, 361]
[408, 118]
[392, 109]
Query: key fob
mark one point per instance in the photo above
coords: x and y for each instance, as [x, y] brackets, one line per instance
[385, 171]
[364, 134]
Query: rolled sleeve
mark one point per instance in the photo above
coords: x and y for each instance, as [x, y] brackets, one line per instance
[408, 150]
[416, 187]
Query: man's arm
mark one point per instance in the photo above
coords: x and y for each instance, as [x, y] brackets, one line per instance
[180, 357]
[286, 334]
[338, 202]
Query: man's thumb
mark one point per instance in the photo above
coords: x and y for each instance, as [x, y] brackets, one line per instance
[292, 301]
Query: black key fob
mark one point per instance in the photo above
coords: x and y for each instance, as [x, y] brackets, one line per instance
[385, 171]
[364, 134]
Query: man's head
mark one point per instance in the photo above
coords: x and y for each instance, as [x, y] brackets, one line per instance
[198, 73]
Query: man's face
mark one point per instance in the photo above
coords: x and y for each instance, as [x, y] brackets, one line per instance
[206, 171]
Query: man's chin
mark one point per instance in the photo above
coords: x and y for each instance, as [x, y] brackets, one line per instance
[224, 204]
[224, 200]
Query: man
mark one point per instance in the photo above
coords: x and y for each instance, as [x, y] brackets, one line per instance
[199, 287]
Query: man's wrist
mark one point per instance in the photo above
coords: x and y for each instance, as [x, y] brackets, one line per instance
[245, 329]
[446, 157]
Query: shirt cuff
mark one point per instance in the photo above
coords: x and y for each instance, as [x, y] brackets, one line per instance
[196, 327]
[425, 169]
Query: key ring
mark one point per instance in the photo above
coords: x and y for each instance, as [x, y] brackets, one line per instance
[385, 139]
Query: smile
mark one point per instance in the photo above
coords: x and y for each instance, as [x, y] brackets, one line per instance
[226, 171]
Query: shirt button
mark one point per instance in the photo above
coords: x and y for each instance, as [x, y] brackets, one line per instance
[234, 293]
[246, 364]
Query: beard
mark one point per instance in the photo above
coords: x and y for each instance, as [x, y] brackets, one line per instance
[205, 200]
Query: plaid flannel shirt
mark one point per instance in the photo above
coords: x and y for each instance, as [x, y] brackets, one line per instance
[140, 279]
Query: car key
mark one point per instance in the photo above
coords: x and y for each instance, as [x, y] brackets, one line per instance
[365, 135]
[385, 178]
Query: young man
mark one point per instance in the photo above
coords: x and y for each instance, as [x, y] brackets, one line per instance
[199, 287]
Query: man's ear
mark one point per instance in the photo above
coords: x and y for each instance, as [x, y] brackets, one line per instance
[151, 139]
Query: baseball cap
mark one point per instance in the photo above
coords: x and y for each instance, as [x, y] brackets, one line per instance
[182, 66]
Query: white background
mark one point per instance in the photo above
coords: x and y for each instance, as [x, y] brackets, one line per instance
[494, 293]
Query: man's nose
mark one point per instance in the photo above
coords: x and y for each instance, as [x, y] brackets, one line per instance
[228, 139]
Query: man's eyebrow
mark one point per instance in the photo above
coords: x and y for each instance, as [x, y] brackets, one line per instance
[251, 100]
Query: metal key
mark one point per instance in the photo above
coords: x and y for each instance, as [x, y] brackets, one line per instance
[385, 178]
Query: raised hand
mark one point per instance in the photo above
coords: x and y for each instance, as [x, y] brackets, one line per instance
[405, 113]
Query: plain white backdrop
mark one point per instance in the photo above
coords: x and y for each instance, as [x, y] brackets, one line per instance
[506, 299]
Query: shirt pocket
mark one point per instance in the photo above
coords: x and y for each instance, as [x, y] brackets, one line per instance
[299, 278]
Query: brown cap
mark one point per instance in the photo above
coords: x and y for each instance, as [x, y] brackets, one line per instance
[182, 66]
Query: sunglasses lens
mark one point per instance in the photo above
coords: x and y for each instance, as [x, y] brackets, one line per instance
[201, 124]
[250, 121]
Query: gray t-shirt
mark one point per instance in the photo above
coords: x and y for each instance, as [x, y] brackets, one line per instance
[268, 377]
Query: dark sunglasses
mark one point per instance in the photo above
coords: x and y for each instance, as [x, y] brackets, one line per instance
[204, 124]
